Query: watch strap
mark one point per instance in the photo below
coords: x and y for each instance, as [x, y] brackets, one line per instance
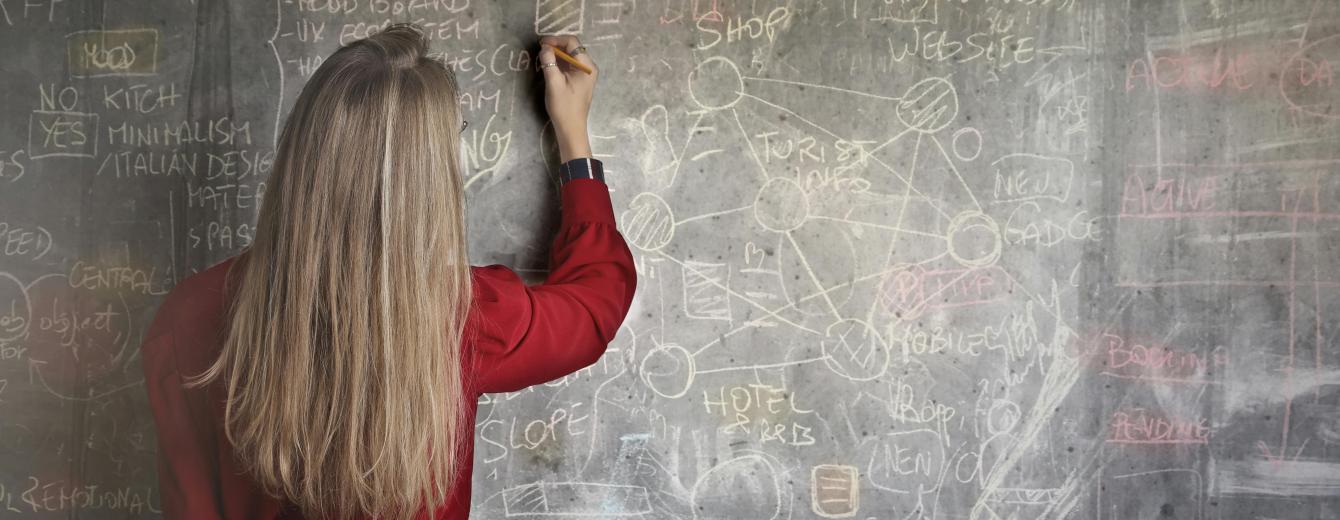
[581, 168]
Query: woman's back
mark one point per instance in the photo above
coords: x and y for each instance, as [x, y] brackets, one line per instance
[517, 336]
[317, 371]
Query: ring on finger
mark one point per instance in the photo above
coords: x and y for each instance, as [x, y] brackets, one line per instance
[547, 65]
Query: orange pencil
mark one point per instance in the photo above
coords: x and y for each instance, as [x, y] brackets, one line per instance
[559, 52]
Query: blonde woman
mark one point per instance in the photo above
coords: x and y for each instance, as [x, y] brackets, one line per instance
[332, 369]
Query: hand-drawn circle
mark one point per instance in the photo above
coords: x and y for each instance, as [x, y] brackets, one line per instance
[1293, 70]
[1002, 417]
[717, 493]
[79, 341]
[648, 222]
[966, 231]
[668, 370]
[976, 137]
[929, 106]
[853, 350]
[15, 309]
[781, 205]
[716, 83]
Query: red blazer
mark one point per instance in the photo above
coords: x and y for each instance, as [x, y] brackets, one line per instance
[517, 336]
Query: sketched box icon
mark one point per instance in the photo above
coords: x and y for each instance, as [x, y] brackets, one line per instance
[835, 491]
[559, 16]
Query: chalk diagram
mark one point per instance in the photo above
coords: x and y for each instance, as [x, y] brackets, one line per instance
[881, 277]
[78, 339]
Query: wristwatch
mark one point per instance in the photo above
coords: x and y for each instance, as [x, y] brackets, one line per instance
[581, 168]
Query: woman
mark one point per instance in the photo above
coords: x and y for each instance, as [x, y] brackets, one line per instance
[332, 369]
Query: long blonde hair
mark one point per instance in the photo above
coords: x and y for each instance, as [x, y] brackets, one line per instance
[342, 355]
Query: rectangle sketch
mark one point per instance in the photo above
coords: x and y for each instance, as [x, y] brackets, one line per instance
[1120, 496]
[120, 52]
[705, 290]
[569, 499]
[835, 490]
[559, 16]
[54, 133]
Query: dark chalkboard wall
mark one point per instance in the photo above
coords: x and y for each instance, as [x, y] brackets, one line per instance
[899, 258]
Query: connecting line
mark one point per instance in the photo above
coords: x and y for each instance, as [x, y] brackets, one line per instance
[813, 277]
[953, 168]
[881, 226]
[773, 313]
[839, 89]
[888, 257]
[912, 188]
[710, 215]
[793, 114]
[1059, 320]
[756, 367]
[736, 294]
[890, 141]
[750, 142]
[687, 139]
[838, 137]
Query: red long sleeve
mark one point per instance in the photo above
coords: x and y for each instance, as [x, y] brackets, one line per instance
[533, 334]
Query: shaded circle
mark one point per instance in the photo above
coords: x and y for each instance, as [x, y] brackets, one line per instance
[928, 106]
[668, 370]
[902, 292]
[648, 223]
[716, 83]
[781, 205]
[974, 239]
[854, 350]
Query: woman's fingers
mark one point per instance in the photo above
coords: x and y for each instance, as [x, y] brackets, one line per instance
[570, 44]
[585, 58]
[567, 42]
[552, 76]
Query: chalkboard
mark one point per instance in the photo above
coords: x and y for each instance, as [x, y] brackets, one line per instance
[898, 258]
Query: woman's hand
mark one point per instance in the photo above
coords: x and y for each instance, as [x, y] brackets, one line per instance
[567, 95]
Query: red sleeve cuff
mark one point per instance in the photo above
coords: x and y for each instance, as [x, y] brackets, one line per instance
[586, 200]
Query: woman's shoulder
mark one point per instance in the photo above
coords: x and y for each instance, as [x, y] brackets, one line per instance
[493, 277]
[498, 291]
[500, 307]
[204, 287]
[190, 313]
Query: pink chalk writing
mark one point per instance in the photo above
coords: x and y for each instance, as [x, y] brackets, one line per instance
[1139, 426]
[1221, 71]
[914, 290]
[1143, 194]
[1149, 361]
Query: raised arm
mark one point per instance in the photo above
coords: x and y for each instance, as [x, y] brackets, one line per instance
[534, 334]
[531, 335]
